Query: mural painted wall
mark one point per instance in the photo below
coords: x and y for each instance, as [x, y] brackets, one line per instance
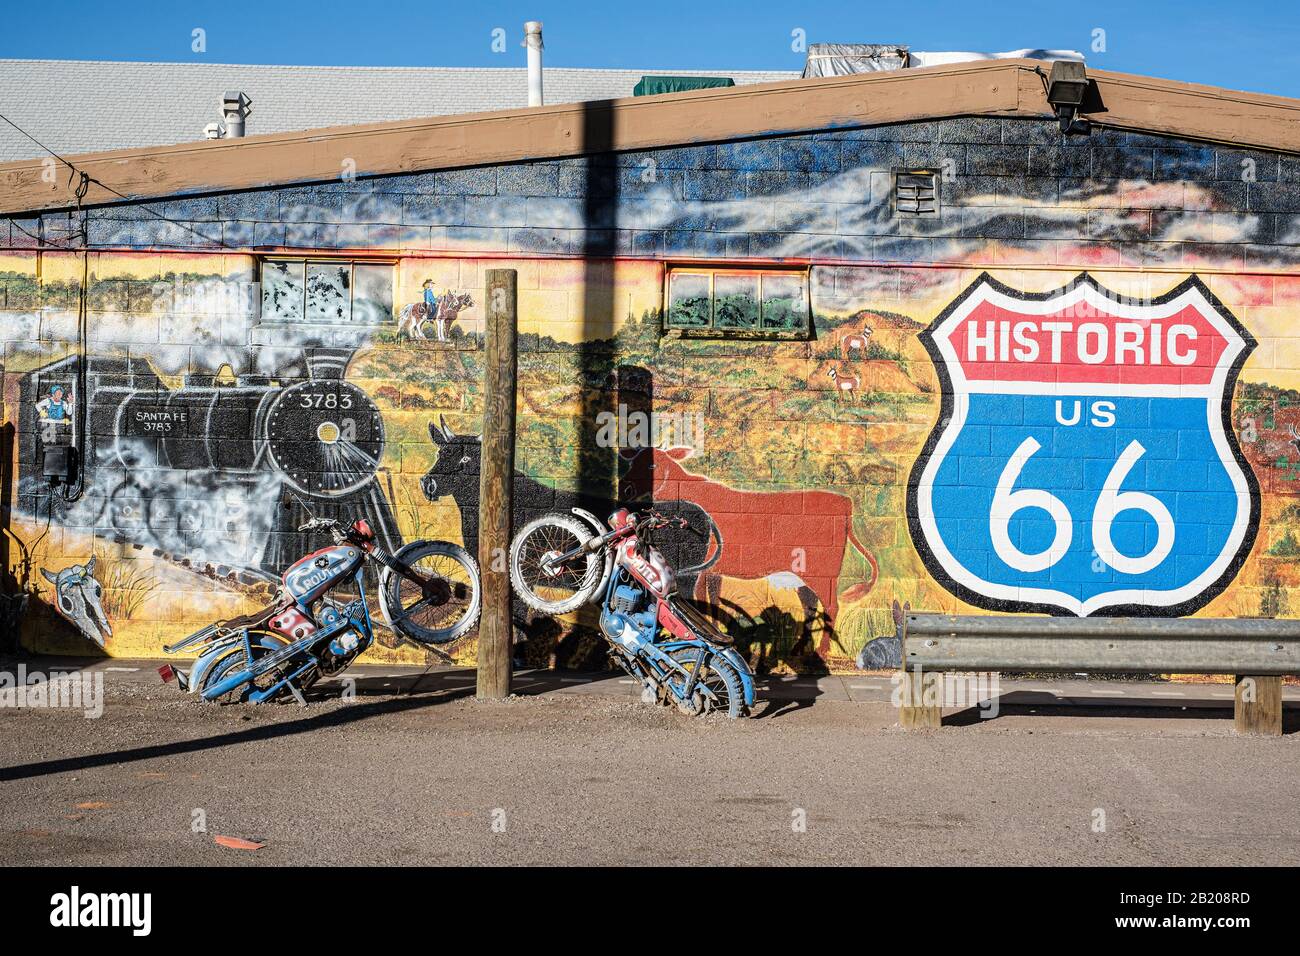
[1076, 390]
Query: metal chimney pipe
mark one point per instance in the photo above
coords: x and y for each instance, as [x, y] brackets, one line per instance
[533, 40]
[235, 107]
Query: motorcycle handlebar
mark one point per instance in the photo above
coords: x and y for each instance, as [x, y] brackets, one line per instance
[315, 523]
[649, 520]
[657, 519]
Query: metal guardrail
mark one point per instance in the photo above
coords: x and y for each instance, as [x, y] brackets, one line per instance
[1257, 652]
[1152, 645]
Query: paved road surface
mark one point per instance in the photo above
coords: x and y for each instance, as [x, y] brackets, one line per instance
[576, 770]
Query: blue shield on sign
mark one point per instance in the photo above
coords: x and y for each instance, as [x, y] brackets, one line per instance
[1084, 459]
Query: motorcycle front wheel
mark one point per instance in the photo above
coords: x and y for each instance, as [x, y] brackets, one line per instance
[728, 695]
[548, 588]
[442, 608]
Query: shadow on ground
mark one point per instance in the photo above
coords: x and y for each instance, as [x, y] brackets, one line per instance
[338, 717]
[1024, 703]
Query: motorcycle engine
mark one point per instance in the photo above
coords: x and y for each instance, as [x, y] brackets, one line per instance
[342, 648]
[627, 619]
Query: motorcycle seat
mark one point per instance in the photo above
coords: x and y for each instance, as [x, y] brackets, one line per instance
[256, 619]
[701, 625]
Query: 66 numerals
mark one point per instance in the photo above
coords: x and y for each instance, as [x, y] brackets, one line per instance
[1110, 502]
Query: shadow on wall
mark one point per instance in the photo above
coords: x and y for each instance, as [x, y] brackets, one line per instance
[774, 639]
[8, 582]
[14, 596]
[597, 467]
[56, 633]
[607, 476]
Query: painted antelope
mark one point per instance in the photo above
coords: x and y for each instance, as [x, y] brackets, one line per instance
[412, 318]
[1295, 437]
[844, 384]
[77, 597]
[854, 344]
[791, 516]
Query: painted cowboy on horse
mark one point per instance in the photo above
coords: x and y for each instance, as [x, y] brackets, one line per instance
[441, 310]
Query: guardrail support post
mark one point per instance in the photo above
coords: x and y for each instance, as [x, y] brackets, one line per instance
[920, 692]
[1257, 706]
[920, 699]
[914, 713]
[496, 483]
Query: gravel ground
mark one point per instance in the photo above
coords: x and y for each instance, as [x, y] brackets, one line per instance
[571, 778]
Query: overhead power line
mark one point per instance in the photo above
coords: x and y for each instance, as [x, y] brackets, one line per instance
[83, 185]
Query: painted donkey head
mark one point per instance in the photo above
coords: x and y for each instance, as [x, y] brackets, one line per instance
[455, 472]
[77, 594]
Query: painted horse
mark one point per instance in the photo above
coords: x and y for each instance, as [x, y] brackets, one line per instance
[413, 317]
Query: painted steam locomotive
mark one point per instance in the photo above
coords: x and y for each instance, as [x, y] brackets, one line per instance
[208, 475]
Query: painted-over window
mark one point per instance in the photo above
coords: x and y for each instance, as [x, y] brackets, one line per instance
[762, 303]
[327, 291]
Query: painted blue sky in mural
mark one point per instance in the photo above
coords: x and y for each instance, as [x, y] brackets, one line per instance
[1246, 45]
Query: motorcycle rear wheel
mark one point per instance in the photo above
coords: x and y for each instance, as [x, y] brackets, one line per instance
[558, 590]
[223, 667]
[443, 610]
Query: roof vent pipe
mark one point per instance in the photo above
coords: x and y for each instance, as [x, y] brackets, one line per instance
[235, 107]
[533, 40]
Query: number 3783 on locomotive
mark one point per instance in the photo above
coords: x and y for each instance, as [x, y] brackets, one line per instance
[1084, 459]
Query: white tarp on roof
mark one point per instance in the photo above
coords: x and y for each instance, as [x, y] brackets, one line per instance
[920, 58]
[843, 59]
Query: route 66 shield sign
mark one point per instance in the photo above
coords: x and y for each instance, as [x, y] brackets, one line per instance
[1084, 460]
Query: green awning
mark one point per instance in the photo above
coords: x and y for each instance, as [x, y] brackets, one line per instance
[653, 85]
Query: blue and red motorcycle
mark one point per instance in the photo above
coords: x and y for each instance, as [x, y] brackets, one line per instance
[428, 592]
[559, 562]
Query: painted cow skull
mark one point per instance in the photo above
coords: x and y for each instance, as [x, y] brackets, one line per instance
[77, 598]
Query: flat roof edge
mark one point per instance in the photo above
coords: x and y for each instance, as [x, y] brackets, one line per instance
[980, 88]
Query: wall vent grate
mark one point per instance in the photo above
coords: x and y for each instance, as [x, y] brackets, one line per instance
[916, 194]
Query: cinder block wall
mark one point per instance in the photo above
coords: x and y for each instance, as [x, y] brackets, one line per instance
[201, 412]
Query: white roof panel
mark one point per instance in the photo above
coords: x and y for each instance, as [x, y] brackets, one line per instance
[81, 106]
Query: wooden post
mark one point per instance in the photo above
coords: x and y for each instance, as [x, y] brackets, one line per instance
[496, 482]
[1257, 707]
[920, 698]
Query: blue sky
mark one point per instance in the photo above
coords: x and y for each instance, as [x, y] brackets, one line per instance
[1245, 45]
